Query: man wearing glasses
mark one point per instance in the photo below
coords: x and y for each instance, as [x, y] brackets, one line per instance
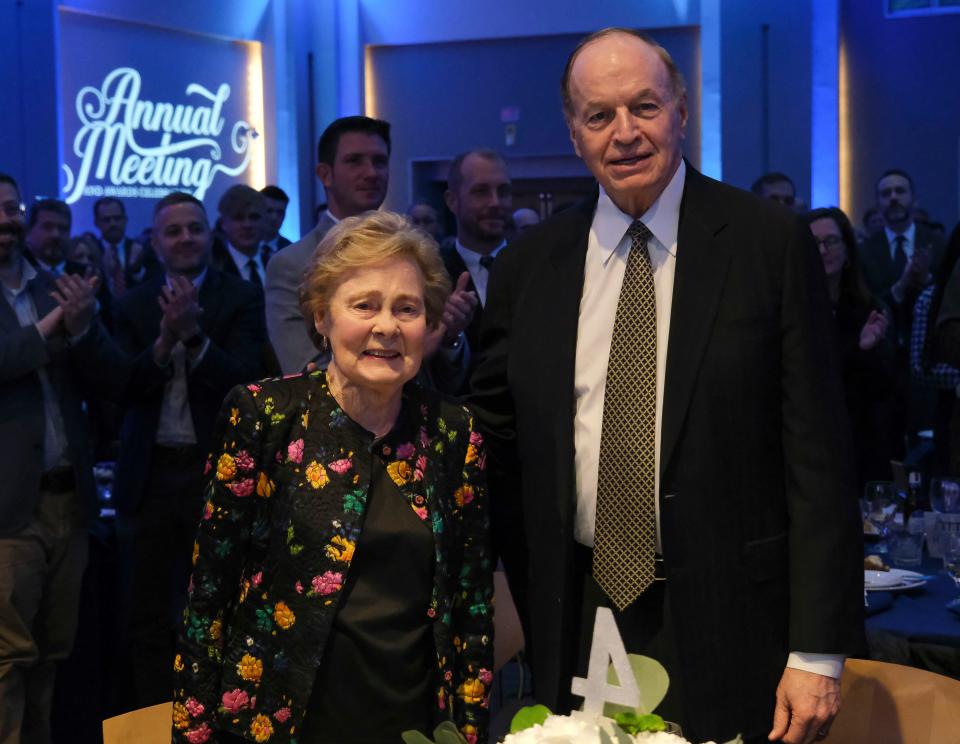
[48, 494]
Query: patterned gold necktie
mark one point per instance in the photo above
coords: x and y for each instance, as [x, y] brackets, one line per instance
[625, 536]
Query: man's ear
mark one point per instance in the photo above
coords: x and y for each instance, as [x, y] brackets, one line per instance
[450, 199]
[682, 111]
[325, 174]
[573, 139]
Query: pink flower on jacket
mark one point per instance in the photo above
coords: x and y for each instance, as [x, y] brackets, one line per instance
[405, 451]
[208, 510]
[298, 587]
[242, 488]
[199, 735]
[327, 583]
[295, 451]
[208, 467]
[424, 439]
[256, 579]
[340, 466]
[486, 676]
[235, 700]
[244, 461]
[476, 438]
[194, 707]
[254, 388]
[282, 715]
[421, 468]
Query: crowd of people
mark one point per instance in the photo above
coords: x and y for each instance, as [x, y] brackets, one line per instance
[154, 352]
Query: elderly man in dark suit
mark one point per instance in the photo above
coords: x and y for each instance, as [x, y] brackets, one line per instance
[186, 337]
[48, 494]
[660, 391]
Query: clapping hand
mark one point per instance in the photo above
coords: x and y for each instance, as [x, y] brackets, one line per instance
[76, 296]
[873, 330]
[180, 303]
[459, 310]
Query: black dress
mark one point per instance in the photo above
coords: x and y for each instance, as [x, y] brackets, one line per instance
[376, 676]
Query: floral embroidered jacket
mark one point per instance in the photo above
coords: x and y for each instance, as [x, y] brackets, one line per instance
[284, 507]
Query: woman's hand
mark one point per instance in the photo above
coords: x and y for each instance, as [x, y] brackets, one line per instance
[873, 330]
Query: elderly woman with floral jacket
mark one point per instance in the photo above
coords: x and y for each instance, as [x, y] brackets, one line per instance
[342, 581]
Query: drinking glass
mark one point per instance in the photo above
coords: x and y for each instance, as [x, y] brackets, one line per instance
[945, 495]
[882, 500]
[951, 564]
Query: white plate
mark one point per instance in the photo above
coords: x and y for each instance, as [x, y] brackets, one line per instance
[894, 580]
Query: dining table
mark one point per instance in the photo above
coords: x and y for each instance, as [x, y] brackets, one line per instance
[915, 626]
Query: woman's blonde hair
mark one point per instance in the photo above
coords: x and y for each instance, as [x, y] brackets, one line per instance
[366, 240]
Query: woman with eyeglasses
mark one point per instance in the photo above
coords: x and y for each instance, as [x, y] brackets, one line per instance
[866, 352]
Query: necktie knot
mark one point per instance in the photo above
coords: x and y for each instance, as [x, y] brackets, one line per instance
[639, 234]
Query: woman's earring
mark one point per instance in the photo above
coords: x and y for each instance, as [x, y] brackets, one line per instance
[324, 344]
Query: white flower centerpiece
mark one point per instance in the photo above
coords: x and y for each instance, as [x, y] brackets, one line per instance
[620, 694]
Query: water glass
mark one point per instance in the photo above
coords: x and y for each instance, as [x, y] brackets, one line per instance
[906, 548]
[881, 501]
[945, 495]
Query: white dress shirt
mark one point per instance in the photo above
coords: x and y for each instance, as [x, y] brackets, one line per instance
[175, 426]
[608, 247]
[910, 235]
[479, 274]
[242, 262]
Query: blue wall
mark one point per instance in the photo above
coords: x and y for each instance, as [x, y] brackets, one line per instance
[904, 104]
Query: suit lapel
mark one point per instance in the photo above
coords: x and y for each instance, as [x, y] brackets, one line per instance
[703, 257]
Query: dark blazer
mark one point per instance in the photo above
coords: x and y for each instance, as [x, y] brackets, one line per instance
[232, 319]
[285, 503]
[758, 509]
[881, 274]
[23, 352]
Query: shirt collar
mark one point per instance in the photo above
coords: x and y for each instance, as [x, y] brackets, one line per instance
[909, 234]
[27, 275]
[472, 258]
[242, 259]
[610, 225]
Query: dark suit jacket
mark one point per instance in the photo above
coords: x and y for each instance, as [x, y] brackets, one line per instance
[880, 274]
[23, 352]
[758, 510]
[232, 319]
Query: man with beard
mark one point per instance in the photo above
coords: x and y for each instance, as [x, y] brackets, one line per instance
[479, 194]
[899, 261]
[48, 230]
[126, 262]
[48, 495]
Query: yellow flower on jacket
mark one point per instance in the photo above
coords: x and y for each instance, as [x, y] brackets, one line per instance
[178, 663]
[340, 549]
[234, 416]
[250, 668]
[283, 616]
[261, 728]
[472, 691]
[317, 475]
[181, 718]
[265, 486]
[215, 627]
[226, 468]
[196, 552]
[400, 471]
[472, 453]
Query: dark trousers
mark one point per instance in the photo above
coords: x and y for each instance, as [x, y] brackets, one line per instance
[156, 544]
[644, 626]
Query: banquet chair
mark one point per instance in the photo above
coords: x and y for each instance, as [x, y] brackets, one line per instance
[885, 703]
[145, 726]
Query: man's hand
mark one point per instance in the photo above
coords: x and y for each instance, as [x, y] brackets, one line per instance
[459, 310]
[180, 303]
[49, 323]
[806, 706]
[873, 330]
[77, 297]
